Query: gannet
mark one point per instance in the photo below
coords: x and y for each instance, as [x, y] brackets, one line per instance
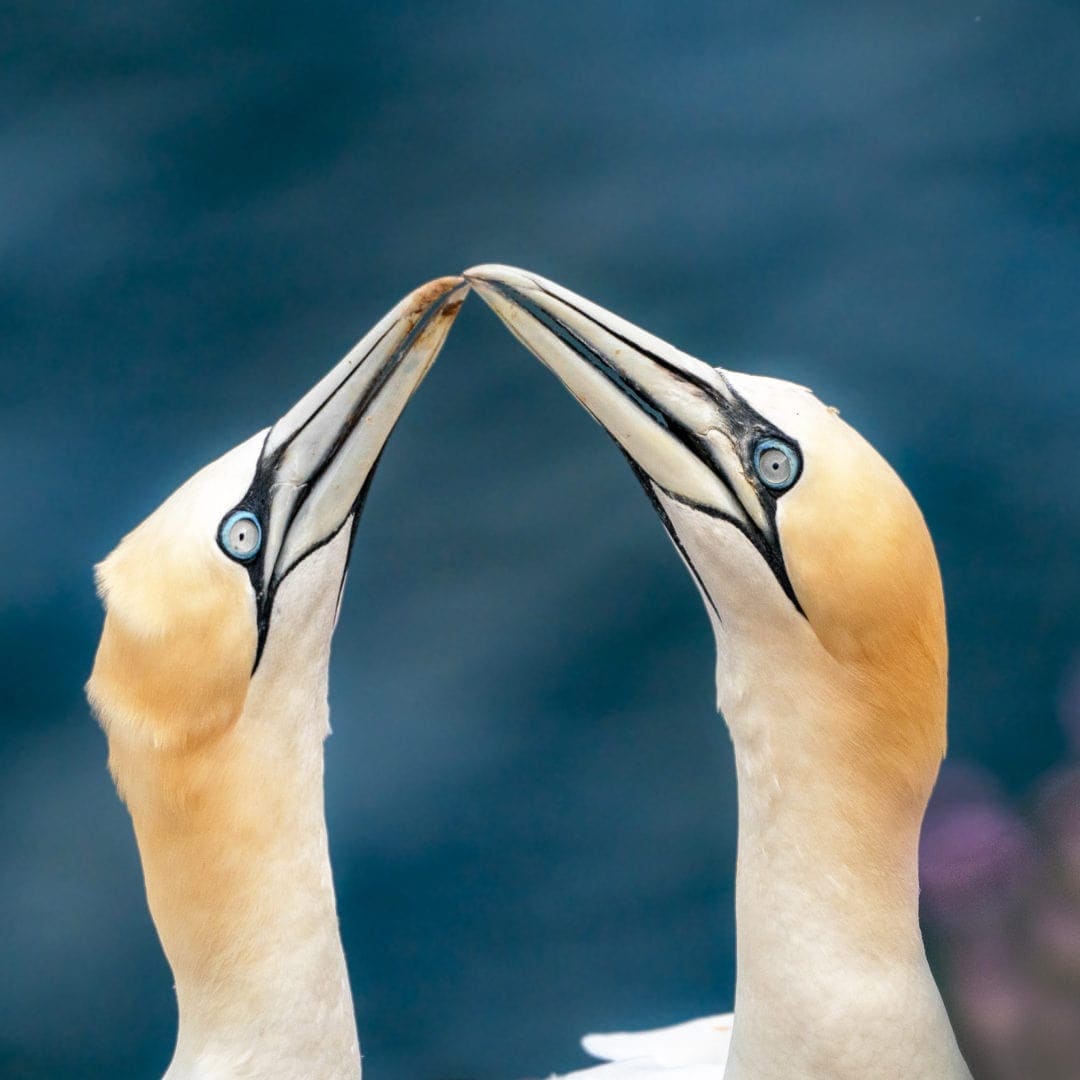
[822, 587]
[210, 682]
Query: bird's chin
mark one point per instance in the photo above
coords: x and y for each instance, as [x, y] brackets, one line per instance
[307, 605]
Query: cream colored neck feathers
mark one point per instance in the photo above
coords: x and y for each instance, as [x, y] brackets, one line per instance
[838, 722]
[823, 588]
[832, 977]
[223, 775]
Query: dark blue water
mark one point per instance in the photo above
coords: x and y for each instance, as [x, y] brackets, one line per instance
[530, 797]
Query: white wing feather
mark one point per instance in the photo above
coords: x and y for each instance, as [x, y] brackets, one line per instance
[695, 1050]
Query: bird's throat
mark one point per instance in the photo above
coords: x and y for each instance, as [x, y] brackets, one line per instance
[832, 978]
[232, 837]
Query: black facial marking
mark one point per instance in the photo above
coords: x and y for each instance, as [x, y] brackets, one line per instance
[647, 485]
[265, 580]
[641, 397]
[744, 425]
[257, 500]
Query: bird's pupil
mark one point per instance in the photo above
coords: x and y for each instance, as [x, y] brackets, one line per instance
[776, 462]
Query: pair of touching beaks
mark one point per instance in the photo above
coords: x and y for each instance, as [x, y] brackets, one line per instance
[680, 422]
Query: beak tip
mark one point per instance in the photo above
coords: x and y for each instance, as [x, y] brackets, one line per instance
[502, 287]
[437, 301]
[497, 274]
[439, 289]
[476, 274]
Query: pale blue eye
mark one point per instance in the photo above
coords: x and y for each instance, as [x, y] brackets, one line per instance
[777, 464]
[241, 535]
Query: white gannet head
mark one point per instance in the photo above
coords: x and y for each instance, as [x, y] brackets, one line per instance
[233, 583]
[810, 553]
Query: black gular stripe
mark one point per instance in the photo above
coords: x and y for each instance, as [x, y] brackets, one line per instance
[357, 510]
[258, 497]
[675, 427]
[745, 423]
[649, 488]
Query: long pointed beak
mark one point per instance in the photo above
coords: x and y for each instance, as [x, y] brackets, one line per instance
[686, 431]
[675, 417]
[319, 458]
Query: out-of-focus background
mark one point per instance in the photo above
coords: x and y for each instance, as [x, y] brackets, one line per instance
[530, 796]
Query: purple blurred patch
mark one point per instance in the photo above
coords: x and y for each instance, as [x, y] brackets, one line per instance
[1054, 929]
[976, 855]
[1057, 811]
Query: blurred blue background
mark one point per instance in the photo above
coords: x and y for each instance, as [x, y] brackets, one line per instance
[530, 796]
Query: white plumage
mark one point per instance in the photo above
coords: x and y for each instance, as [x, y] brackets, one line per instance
[822, 587]
[210, 682]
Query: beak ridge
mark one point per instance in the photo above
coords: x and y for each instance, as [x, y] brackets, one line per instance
[658, 403]
[318, 459]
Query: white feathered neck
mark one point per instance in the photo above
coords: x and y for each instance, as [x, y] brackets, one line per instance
[222, 773]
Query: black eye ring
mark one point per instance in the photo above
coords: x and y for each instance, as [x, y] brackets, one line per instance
[777, 464]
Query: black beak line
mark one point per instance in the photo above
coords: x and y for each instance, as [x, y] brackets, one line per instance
[296, 492]
[743, 424]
